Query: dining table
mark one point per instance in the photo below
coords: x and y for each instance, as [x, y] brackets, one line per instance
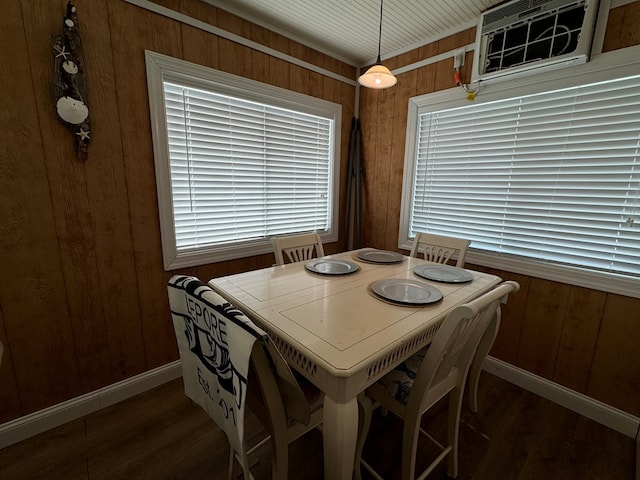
[345, 320]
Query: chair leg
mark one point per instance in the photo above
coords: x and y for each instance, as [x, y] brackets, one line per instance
[453, 428]
[232, 463]
[410, 434]
[486, 342]
[279, 457]
[243, 461]
[365, 406]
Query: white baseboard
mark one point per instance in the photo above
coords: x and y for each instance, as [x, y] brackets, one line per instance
[595, 410]
[43, 420]
[22, 428]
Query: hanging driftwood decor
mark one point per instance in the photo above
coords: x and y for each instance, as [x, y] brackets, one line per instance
[70, 86]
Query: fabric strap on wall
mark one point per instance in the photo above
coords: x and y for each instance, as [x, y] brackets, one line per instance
[352, 218]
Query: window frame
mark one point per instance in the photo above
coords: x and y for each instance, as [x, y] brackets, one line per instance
[161, 68]
[612, 65]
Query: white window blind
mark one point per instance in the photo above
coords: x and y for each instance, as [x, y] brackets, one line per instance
[243, 170]
[553, 176]
[238, 161]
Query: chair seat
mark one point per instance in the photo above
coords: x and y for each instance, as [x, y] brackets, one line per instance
[398, 382]
[313, 395]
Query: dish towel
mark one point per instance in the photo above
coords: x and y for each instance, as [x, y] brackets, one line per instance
[215, 341]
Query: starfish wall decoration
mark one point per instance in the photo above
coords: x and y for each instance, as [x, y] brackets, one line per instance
[70, 87]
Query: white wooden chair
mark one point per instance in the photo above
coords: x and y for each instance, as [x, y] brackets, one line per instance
[439, 249]
[486, 342]
[229, 363]
[433, 373]
[297, 248]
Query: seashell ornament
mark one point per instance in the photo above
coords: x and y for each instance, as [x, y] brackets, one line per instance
[70, 67]
[71, 110]
[69, 82]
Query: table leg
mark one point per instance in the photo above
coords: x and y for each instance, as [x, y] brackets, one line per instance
[340, 432]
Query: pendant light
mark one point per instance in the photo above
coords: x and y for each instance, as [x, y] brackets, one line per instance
[378, 76]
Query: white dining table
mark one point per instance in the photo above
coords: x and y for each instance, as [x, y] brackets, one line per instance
[340, 335]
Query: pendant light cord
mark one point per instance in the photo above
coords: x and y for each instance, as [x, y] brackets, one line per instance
[378, 76]
[379, 61]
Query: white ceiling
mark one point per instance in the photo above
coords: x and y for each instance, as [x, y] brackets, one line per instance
[348, 29]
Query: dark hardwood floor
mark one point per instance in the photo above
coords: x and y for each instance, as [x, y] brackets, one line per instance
[162, 435]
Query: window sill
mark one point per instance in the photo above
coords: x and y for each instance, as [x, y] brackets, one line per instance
[626, 285]
[581, 277]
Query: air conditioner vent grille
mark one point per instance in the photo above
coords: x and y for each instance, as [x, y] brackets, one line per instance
[527, 35]
[548, 36]
[509, 10]
[522, 10]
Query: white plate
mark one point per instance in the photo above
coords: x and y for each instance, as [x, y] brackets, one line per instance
[443, 273]
[331, 267]
[379, 256]
[406, 291]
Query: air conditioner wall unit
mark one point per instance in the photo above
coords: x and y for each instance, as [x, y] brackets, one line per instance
[527, 36]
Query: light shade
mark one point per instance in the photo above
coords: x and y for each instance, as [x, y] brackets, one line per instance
[377, 76]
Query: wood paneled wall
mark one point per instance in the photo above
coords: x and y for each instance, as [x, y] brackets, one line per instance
[583, 339]
[83, 300]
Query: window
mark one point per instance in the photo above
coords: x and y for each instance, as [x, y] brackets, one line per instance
[541, 183]
[237, 162]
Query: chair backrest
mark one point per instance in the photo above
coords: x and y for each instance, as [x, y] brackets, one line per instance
[456, 341]
[439, 248]
[297, 248]
[220, 350]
